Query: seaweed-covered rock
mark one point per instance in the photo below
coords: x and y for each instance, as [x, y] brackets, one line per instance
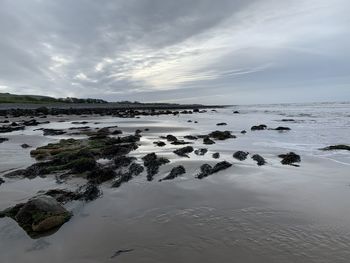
[88, 192]
[221, 135]
[184, 151]
[135, 169]
[152, 163]
[208, 141]
[101, 174]
[259, 159]
[290, 158]
[175, 172]
[336, 147]
[39, 215]
[216, 155]
[201, 151]
[240, 155]
[123, 161]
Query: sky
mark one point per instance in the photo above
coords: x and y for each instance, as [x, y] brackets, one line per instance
[183, 51]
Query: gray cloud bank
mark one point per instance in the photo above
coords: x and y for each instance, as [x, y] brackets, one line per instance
[225, 51]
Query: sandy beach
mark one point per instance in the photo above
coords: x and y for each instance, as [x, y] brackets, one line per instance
[244, 213]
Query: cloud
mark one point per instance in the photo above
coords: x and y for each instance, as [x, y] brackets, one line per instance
[148, 50]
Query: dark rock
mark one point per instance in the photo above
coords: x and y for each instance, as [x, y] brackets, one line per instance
[288, 120]
[116, 132]
[53, 132]
[205, 171]
[79, 122]
[82, 165]
[25, 146]
[216, 155]
[259, 159]
[290, 158]
[201, 151]
[160, 143]
[221, 124]
[240, 155]
[190, 137]
[220, 166]
[39, 215]
[123, 161]
[3, 140]
[180, 142]
[9, 128]
[221, 135]
[175, 172]
[189, 121]
[171, 138]
[101, 174]
[152, 163]
[280, 128]
[244, 132]
[236, 112]
[42, 110]
[259, 127]
[184, 151]
[118, 150]
[336, 147]
[61, 195]
[88, 192]
[2, 181]
[136, 169]
[32, 122]
[207, 140]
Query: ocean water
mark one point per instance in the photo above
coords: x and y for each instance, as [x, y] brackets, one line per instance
[272, 213]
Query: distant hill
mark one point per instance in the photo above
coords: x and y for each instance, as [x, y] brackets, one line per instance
[36, 99]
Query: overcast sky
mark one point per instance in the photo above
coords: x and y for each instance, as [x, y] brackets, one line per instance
[204, 51]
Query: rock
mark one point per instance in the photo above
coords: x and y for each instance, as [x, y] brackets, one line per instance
[180, 142]
[216, 155]
[259, 127]
[290, 158]
[220, 166]
[116, 132]
[189, 121]
[288, 120]
[280, 128]
[32, 122]
[2, 181]
[40, 214]
[25, 146]
[236, 112]
[259, 159]
[171, 138]
[101, 174]
[221, 124]
[175, 172]
[221, 135]
[159, 143]
[152, 163]
[88, 192]
[3, 140]
[190, 137]
[123, 161]
[244, 132]
[207, 170]
[135, 169]
[9, 128]
[201, 151]
[42, 110]
[207, 140]
[79, 122]
[184, 151]
[82, 165]
[240, 155]
[61, 195]
[53, 132]
[336, 147]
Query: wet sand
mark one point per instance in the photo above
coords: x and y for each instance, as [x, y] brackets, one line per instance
[247, 213]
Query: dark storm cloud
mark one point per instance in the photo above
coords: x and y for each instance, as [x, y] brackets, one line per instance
[172, 50]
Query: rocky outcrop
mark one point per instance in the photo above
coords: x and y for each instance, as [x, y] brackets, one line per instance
[183, 152]
[175, 172]
[206, 169]
[152, 163]
[221, 135]
[259, 159]
[39, 215]
[240, 155]
[336, 147]
[290, 158]
[259, 127]
[201, 151]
